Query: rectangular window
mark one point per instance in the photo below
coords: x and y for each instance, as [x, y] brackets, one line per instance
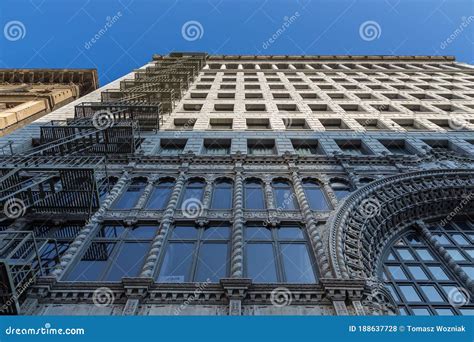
[353, 147]
[256, 124]
[217, 146]
[220, 124]
[172, 146]
[261, 147]
[304, 147]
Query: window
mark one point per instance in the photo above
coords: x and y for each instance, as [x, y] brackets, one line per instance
[254, 194]
[371, 124]
[329, 124]
[129, 198]
[340, 187]
[278, 255]
[223, 107]
[409, 124]
[184, 124]
[220, 124]
[114, 253]
[261, 147]
[284, 196]
[255, 107]
[291, 123]
[305, 147]
[395, 146]
[217, 146]
[315, 195]
[193, 192]
[258, 124]
[160, 195]
[420, 280]
[196, 255]
[352, 147]
[222, 195]
[172, 146]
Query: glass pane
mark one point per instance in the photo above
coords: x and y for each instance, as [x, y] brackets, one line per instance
[444, 312]
[129, 261]
[424, 254]
[341, 193]
[284, 198]
[296, 263]
[470, 252]
[457, 296]
[217, 233]
[110, 232]
[254, 196]
[222, 198]
[418, 273]
[467, 312]
[130, 197]
[142, 232]
[460, 239]
[405, 254]
[194, 191]
[176, 267]
[413, 239]
[469, 270]
[393, 292]
[290, 233]
[421, 312]
[431, 293]
[391, 257]
[455, 254]
[159, 198]
[397, 273]
[93, 263]
[261, 263]
[410, 293]
[438, 273]
[258, 233]
[316, 198]
[212, 262]
[184, 232]
[442, 239]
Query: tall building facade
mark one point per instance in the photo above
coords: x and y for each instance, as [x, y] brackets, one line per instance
[248, 185]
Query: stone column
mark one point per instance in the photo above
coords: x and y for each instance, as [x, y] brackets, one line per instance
[152, 258]
[269, 200]
[329, 191]
[311, 226]
[90, 229]
[425, 232]
[238, 225]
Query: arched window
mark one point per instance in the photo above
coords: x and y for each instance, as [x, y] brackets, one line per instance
[284, 196]
[341, 188]
[316, 197]
[254, 195]
[278, 255]
[194, 191]
[130, 197]
[419, 278]
[222, 194]
[160, 195]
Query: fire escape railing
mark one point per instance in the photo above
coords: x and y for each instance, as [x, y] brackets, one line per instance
[67, 171]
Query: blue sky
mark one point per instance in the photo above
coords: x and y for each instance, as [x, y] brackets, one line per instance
[58, 33]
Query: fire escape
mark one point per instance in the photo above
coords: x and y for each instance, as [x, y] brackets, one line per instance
[68, 170]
